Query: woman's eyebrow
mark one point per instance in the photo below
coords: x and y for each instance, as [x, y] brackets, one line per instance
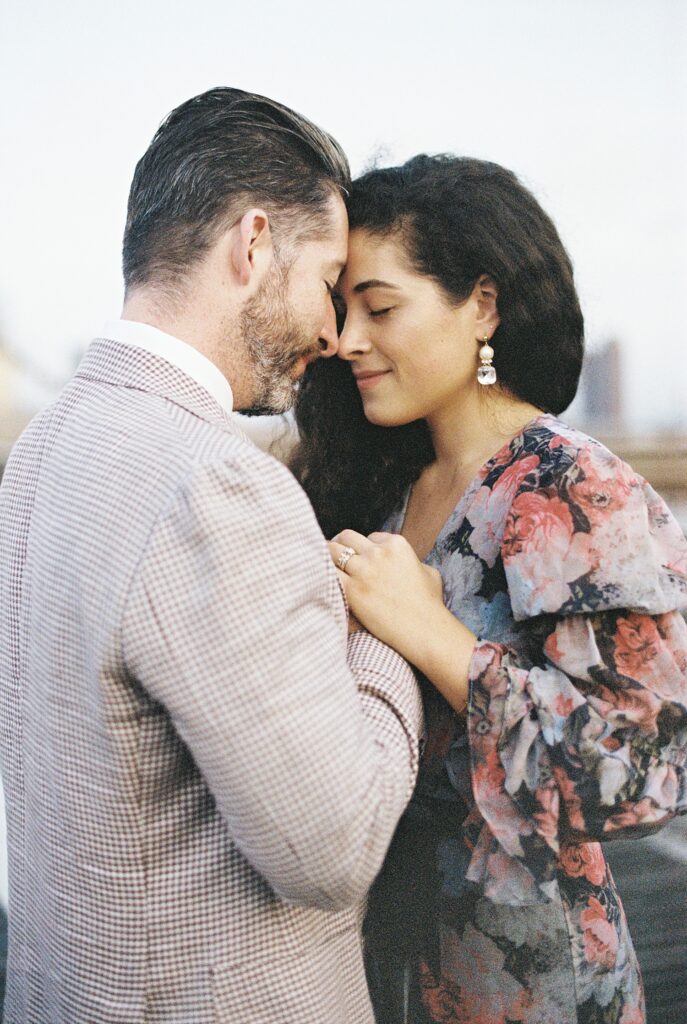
[373, 283]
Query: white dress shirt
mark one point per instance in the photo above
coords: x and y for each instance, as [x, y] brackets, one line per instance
[178, 353]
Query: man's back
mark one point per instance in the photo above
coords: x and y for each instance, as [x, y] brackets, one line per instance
[162, 807]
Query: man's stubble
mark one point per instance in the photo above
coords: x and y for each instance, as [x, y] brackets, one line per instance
[274, 340]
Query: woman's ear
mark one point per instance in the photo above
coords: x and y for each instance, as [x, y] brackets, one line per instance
[485, 294]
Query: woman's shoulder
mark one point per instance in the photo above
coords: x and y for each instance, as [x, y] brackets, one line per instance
[556, 461]
[553, 451]
[539, 469]
[549, 468]
[583, 530]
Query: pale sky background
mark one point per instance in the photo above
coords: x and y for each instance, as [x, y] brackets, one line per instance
[586, 100]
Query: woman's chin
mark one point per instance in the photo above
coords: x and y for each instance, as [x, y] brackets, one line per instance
[386, 417]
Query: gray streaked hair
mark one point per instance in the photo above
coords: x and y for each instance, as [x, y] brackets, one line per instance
[217, 153]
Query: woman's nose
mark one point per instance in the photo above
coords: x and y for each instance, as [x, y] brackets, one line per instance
[352, 340]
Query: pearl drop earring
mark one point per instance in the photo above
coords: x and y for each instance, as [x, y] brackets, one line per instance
[486, 372]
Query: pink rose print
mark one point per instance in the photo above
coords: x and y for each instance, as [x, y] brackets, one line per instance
[632, 813]
[489, 508]
[469, 1002]
[662, 795]
[535, 523]
[571, 799]
[541, 545]
[485, 655]
[636, 644]
[600, 937]
[563, 706]
[604, 485]
[488, 774]
[511, 478]
[547, 818]
[673, 630]
[488, 784]
[554, 650]
[586, 860]
[632, 1014]
[638, 706]
[441, 999]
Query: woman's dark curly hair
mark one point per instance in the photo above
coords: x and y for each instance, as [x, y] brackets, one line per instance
[457, 219]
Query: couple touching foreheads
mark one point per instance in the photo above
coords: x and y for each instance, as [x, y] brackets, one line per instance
[230, 797]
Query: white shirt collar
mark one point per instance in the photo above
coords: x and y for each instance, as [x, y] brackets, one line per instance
[178, 353]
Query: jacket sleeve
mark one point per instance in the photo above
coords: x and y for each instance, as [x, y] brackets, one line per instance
[581, 733]
[235, 624]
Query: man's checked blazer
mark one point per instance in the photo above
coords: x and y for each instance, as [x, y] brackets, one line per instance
[201, 782]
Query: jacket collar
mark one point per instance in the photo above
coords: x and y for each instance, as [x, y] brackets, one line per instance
[127, 366]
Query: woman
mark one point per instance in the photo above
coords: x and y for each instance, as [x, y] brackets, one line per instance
[554, 664]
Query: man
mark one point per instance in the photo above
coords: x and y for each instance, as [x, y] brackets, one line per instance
[201, 779]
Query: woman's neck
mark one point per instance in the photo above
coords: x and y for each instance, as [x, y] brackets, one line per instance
[464, 437]
[467, 434]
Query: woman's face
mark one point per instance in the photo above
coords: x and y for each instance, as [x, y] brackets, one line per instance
[413, 354]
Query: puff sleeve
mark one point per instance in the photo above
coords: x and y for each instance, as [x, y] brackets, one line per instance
[587, 739]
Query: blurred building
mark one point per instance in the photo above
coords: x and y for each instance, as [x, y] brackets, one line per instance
[599, 409]
[601, 388]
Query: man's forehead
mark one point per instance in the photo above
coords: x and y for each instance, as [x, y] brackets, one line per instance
[330, 243]
[337, 265]
[337, 256]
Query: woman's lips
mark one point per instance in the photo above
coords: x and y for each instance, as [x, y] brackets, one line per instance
[369, 378]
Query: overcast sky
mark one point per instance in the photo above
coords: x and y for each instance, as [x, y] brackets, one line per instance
[585, 99]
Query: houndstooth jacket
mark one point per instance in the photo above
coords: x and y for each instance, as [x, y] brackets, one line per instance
[201, 779]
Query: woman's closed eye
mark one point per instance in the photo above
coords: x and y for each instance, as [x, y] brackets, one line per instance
[381, 312]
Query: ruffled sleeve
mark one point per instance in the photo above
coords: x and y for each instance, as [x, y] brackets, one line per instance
[587, 738]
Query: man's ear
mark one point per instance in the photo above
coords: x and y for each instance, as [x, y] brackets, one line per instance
[486, 294]
[252, 248]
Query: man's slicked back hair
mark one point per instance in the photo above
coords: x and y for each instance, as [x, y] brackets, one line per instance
[213, 157]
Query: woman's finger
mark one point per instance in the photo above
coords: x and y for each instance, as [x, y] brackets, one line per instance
[342, 578]
[378, 537]
[343, 556]
[346, 546]
[353, 539]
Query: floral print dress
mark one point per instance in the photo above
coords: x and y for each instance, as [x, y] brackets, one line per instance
[495, 904]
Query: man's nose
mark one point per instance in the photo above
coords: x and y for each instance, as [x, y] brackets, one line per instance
[329, 336]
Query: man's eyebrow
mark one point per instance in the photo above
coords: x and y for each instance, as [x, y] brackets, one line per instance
[373, 283]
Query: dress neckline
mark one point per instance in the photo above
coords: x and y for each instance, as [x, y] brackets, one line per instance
[457, 513]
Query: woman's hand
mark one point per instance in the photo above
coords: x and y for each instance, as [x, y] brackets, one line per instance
[387, 587]
[400, 600]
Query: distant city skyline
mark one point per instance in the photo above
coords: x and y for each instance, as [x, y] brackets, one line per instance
[587, 102]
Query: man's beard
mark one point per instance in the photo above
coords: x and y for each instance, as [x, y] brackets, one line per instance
[275, 341]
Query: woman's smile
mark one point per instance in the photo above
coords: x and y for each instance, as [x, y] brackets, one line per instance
[366, 379]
